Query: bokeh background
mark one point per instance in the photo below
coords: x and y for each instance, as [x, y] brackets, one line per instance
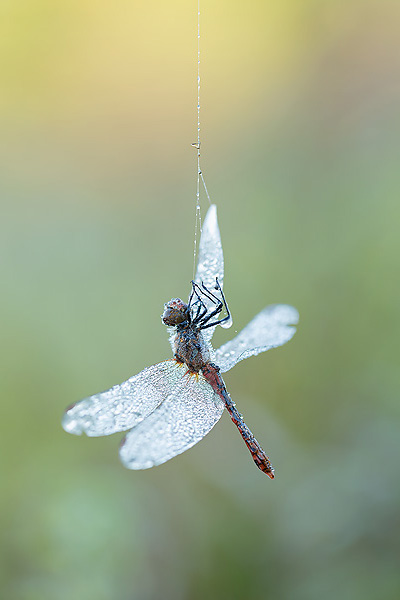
[301, 128]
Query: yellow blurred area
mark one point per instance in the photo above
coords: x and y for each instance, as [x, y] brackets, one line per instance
[103, 82]
[300, 144]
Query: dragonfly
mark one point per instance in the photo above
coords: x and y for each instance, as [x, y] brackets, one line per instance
[169, 407]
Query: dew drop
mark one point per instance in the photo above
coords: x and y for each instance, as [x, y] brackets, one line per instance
[228, 323]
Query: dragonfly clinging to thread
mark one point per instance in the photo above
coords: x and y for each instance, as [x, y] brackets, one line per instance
[170, 406]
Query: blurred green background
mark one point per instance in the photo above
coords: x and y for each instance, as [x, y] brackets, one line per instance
[301, 128]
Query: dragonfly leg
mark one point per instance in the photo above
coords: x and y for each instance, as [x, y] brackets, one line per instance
[206, 292]
[200, 306]
[199, 317]
[217, 310]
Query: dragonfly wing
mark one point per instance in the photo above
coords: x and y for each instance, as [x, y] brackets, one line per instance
[187, 414]
[269, 329]
[211, 260]
[123, 406]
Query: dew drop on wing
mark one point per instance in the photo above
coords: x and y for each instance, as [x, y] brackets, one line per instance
[187, 414]
[271, 328]
[121, 407]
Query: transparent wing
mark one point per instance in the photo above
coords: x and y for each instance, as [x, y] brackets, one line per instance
[211, 259]
[187, 414]
[269, 329]
[123, 406]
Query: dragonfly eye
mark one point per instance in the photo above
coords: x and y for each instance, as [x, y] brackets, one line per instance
[175, 312]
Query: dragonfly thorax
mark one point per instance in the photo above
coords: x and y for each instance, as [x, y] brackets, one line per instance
[189, 347]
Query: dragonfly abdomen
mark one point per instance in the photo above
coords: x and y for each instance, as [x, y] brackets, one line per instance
[211, 373]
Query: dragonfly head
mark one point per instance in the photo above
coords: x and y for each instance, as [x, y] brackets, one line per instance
[175, 312]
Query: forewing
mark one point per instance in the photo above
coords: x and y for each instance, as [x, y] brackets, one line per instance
[211, 260]
[123, 406]
[187, 414]
[269, 329]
